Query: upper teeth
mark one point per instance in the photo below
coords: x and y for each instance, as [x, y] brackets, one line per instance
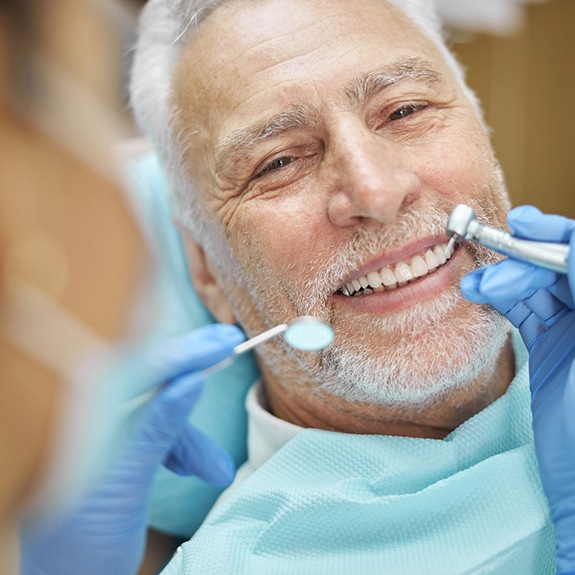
[400, 274]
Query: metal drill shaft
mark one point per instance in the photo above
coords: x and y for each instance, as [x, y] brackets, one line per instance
[463, 224]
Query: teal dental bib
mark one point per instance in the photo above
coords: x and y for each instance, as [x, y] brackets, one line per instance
[338, 504]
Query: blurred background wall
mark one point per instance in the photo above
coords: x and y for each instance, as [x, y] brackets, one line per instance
[63, 225]
[523, 75]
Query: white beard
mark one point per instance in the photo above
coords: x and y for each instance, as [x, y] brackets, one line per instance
[406, 373]
[427, 351]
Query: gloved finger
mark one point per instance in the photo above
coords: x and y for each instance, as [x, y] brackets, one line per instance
[512, 279]
[195, 453]
[530, 326]
[561, 290]
[532, 315]
[472, 289]
[470, 286]
[547, 307]
[517, 312]
[167, 412]
[530, 223]
[508, 280]
[158, 426]
[194, 351]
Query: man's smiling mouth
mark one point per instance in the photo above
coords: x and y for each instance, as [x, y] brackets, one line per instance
[398, 274]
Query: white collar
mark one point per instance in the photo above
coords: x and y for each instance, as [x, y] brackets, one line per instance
[267, 434]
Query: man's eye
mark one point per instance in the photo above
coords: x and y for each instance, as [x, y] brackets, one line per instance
[405, 111]
[276, 164]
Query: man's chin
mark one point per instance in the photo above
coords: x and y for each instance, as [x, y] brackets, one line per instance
[419, 358]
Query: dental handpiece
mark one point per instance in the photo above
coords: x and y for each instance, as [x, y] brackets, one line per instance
[464, 225]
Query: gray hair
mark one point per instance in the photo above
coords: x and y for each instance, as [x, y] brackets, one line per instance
[165, 26]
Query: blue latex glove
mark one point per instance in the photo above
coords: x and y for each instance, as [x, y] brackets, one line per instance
[540, 304]
[107, 533]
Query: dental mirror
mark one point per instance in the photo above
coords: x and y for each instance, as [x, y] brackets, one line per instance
[305, 333]
[308, 334]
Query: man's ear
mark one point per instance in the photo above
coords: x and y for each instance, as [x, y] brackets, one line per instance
[207, 288]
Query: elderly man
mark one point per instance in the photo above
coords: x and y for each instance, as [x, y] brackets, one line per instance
[351, 132]
[315, 150]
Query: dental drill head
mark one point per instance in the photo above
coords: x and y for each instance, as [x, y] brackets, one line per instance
[459, 222]
[464, 225]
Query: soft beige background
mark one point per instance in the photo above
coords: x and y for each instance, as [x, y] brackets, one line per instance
[526, 83]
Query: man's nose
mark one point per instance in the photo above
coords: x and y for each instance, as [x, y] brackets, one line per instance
[372, 180]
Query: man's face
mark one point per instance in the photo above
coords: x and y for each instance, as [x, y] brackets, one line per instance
[331, 141]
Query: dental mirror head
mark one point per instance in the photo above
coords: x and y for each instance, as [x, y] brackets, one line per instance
[307, 333]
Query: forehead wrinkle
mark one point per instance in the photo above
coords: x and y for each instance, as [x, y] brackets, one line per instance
[367, 85]
[242, 139]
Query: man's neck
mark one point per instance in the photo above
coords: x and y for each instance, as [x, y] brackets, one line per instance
[322, 410]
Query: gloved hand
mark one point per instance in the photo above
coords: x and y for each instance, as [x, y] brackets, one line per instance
[107, 533]
[541, 304]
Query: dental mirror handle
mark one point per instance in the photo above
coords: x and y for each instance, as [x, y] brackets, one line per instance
[547, 255]
[246, 346]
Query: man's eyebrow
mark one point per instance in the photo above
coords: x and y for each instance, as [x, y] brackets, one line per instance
[414, 68]
[237, 144]
[242, 139]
